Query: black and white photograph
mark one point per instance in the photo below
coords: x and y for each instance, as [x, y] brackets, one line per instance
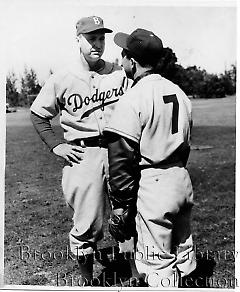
[118, 145]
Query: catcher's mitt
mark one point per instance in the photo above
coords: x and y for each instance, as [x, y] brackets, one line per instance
[122, 224]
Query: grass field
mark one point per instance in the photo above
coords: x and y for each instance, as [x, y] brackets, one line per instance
[37, 220]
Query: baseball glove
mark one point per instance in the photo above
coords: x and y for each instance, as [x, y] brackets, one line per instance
[122, 224]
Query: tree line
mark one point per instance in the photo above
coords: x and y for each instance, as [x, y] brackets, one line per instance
[196, 82]
[193, 80]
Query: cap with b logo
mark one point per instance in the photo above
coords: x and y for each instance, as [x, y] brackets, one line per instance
[143, 44]
[91, 24]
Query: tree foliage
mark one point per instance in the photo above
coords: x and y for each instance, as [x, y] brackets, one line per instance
[30, 86]
[193, 80]
[12, 94]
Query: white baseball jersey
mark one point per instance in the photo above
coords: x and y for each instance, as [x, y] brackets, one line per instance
[84, 98]
[155, 113]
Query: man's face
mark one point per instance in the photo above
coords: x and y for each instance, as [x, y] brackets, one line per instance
[127, 65]
[92, 45]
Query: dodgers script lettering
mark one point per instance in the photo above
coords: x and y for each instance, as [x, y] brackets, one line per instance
[77, 101]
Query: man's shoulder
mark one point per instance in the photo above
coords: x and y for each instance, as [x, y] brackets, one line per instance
[170, 86]
[157, 80]
[71, 71]
[57, 77]
[170, 83]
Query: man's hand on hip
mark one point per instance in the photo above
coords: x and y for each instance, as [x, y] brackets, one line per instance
[71, 153]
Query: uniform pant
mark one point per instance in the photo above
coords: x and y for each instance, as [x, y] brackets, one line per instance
[84, 188]
[164, 247]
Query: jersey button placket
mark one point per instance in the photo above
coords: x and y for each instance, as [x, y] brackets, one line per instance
[98, 112]
[93, 81]
[101, 120]
[93, 84]
[101, 114]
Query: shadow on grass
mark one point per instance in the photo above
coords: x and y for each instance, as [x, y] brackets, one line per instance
[117, 269]
[201, 276]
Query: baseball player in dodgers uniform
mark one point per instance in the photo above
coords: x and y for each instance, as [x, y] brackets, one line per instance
[149, 132]
[84, 94]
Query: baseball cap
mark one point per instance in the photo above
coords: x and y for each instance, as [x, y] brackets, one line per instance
[142, 44]
[90, 24]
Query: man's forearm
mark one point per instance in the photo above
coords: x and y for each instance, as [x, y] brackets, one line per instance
[45, 131]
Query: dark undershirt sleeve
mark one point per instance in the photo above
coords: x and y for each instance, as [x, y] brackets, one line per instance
[45, 131]
[124, 171]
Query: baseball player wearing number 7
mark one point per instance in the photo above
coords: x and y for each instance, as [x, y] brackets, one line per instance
[149, 134]
[84, 94]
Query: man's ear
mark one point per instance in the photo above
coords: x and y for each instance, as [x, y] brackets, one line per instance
[133, 62]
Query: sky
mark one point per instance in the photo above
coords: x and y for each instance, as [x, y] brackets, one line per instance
[40, 34]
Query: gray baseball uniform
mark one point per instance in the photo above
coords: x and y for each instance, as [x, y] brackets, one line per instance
[85, 101]
[156, 115]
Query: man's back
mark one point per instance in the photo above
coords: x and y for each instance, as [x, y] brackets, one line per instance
[157, 115]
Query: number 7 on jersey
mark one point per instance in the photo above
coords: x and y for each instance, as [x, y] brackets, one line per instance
[173, 98]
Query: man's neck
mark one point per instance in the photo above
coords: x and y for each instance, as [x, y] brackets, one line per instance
[140, 74]
[141, 71]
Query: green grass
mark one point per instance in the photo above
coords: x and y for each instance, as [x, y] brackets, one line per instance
[37, 218]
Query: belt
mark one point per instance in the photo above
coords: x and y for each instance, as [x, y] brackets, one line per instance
[96, 141]
[163, 165]
[173, 160]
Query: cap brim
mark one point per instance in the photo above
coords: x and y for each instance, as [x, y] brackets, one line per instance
[120, 39]
[106, 30]
[103, 29]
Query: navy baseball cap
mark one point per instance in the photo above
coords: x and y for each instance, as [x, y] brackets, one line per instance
[142, 44]
[90, 24]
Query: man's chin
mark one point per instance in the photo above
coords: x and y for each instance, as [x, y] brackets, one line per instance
[96, 56]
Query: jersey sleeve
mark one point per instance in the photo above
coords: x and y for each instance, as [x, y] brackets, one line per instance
[189, 110]
[45, 105]
[125, 120]
[187, 102]
[45, 131]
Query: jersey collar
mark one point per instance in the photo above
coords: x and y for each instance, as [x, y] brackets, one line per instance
[141, 76]
[99, 66]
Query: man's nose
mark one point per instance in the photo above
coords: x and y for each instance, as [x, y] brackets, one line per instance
[97, 44]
